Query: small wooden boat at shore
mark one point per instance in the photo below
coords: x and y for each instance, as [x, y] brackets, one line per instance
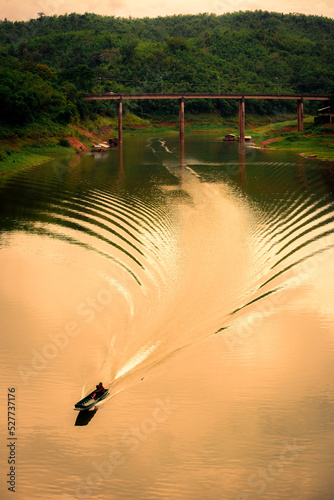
[99, 148]
[229, 137]
[89, 402]
[248, 138]
[113, 142]
[232, 138]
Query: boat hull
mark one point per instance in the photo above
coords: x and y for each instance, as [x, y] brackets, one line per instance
[88, 402]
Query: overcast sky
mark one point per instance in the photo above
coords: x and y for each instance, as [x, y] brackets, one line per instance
[16, 10]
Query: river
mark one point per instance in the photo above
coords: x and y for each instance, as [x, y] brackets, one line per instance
[197, 284]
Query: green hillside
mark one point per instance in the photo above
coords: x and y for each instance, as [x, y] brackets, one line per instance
[47, 64]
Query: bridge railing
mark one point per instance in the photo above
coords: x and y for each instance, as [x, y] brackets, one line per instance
[203, 95]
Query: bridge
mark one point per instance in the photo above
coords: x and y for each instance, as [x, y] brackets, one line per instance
[241, 97]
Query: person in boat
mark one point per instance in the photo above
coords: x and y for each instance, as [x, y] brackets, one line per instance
[99, 391]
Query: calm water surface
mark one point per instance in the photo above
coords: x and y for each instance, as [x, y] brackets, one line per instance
[197, 284]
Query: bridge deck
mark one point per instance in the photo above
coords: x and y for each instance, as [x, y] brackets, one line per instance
[111, 96]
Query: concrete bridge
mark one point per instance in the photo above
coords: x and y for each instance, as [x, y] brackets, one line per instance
[241, 97]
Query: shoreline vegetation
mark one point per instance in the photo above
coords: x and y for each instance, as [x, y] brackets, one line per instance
[29, 146]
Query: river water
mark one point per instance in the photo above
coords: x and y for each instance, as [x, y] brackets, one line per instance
[197, 284]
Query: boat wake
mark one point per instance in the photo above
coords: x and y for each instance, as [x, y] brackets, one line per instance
[177, 246]
[233, 251]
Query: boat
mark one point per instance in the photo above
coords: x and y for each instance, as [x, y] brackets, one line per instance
[113, 142]
[248, 138]
[99, 148]
[229, 137]
[89, 402]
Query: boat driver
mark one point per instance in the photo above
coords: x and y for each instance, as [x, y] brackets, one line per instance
[99, 391]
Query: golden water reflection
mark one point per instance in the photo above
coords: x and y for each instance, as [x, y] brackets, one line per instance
[213, 403]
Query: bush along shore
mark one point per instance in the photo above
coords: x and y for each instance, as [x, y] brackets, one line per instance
[38, 143]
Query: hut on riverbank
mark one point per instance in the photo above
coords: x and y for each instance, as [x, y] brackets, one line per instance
[325, 115]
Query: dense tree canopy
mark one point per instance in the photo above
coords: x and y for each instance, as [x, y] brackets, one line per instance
[46, 64]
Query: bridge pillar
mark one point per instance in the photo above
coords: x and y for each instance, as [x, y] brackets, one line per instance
[181, 119]
[120, 121]
[300, 114]
[242, 119]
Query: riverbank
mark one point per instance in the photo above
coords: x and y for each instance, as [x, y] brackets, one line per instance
[24, 147]
[313, 141]
[28, 146]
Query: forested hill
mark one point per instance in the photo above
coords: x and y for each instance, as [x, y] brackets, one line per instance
[47, 63]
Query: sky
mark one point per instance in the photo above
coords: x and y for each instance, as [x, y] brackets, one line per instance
[18, 10]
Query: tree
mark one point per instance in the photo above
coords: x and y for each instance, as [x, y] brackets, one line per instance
[82, 76]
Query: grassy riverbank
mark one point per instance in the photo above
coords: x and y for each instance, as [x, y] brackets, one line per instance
[21, 147]
[314, 140]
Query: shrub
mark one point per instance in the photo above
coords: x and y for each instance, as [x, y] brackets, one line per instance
[64, 143]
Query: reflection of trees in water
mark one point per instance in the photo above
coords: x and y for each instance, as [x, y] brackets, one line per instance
[301, 174]
[327, 173]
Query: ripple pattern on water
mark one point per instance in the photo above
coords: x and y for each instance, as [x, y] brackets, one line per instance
[198, 248]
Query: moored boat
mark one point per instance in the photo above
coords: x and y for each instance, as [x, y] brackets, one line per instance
[229, 137]
[98, 148]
